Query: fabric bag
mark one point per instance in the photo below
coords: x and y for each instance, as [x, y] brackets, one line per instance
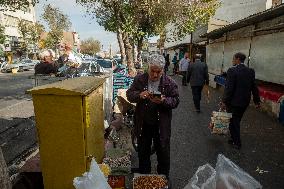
[220, 122]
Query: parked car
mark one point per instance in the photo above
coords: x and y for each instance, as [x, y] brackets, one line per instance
[29, 64]
[90, 68]
[87, 68]
[2, 66]
[15, 65]
[118, 60]
[107, 64]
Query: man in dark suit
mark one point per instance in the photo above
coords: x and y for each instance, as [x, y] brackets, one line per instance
[237, 95]
[198, 77]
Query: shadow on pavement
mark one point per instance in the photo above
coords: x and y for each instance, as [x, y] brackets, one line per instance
[17, 137]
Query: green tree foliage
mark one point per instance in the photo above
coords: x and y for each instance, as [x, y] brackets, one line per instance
[138, 20]
[90, 46]
[57, 22]
[35, 32]
[30, 33]
[2, 34]
[24, 30]
[16, 4]
[188, 15]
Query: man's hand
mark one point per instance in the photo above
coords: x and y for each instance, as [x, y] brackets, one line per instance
[144, 95]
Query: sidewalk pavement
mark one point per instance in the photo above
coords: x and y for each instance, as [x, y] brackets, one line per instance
[22, 108]
[193, 145]
[17, 129]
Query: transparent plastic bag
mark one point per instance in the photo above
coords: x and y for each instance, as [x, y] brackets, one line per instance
[226, 175]
[230, 176]
[204, 178]
[94, 179]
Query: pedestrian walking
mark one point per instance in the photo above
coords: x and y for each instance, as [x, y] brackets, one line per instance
[175, 63]
[156, 95]
[167, 64]
[183, 68]
[239, 86]
[197, 77]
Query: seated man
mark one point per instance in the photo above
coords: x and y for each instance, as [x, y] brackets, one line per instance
[46, 65]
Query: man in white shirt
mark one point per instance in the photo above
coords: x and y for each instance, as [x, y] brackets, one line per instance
[183, 68]
[71, 56]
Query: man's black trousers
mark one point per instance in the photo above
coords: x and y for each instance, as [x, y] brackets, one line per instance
[150, 133]
[238, 113]
[196, 94]
[184, 77]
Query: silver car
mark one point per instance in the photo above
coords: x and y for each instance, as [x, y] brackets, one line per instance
[29, 64]
[15, 65]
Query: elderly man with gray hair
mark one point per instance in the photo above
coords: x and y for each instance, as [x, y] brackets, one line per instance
[156, 95]
[46, 65]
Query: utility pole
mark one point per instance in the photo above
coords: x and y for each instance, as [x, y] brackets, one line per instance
[110, 51]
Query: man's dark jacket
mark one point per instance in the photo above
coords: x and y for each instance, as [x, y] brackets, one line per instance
[240, 85]
[198, 73]
[46, 68]
[168, 88]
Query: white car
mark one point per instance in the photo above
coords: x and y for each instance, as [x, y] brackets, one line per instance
[29, 64]
[15, 65]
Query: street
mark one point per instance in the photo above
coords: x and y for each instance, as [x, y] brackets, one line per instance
[13, 87]
[192, 144]
[17, 131]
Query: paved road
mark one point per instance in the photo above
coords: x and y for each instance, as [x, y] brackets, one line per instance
[13, 87]
[17, 128]
[192, 144]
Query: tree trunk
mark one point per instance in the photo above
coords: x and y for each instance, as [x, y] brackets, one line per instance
[121, 46]
[139, 49]
[4, 176]
[129, 55]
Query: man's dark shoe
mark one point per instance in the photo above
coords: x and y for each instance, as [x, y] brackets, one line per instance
[169, 183]
[234, 145]
[197, 111]
[237, 146]
[230, 141]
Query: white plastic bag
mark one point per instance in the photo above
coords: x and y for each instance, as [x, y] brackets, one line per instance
[94, 179]
[230, 176]
[226, 175]
[204, 178]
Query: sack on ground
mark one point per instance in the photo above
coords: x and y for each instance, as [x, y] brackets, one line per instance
[231, 176]
[226, 175]
[204, 178]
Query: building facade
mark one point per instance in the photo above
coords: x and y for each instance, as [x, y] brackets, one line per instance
[228, 12]
[10, 19]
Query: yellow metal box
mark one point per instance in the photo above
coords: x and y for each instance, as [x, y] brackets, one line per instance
[70, 124]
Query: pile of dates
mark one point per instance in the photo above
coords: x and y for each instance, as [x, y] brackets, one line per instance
[150, 182]
[123, 161]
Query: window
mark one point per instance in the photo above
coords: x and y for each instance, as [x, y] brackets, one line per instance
[10, 21]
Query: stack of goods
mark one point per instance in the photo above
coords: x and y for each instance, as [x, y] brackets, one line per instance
[150, 182]
[220, 122]
[119, 161]
[116, 182]
[121, 80]
[105, 169]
